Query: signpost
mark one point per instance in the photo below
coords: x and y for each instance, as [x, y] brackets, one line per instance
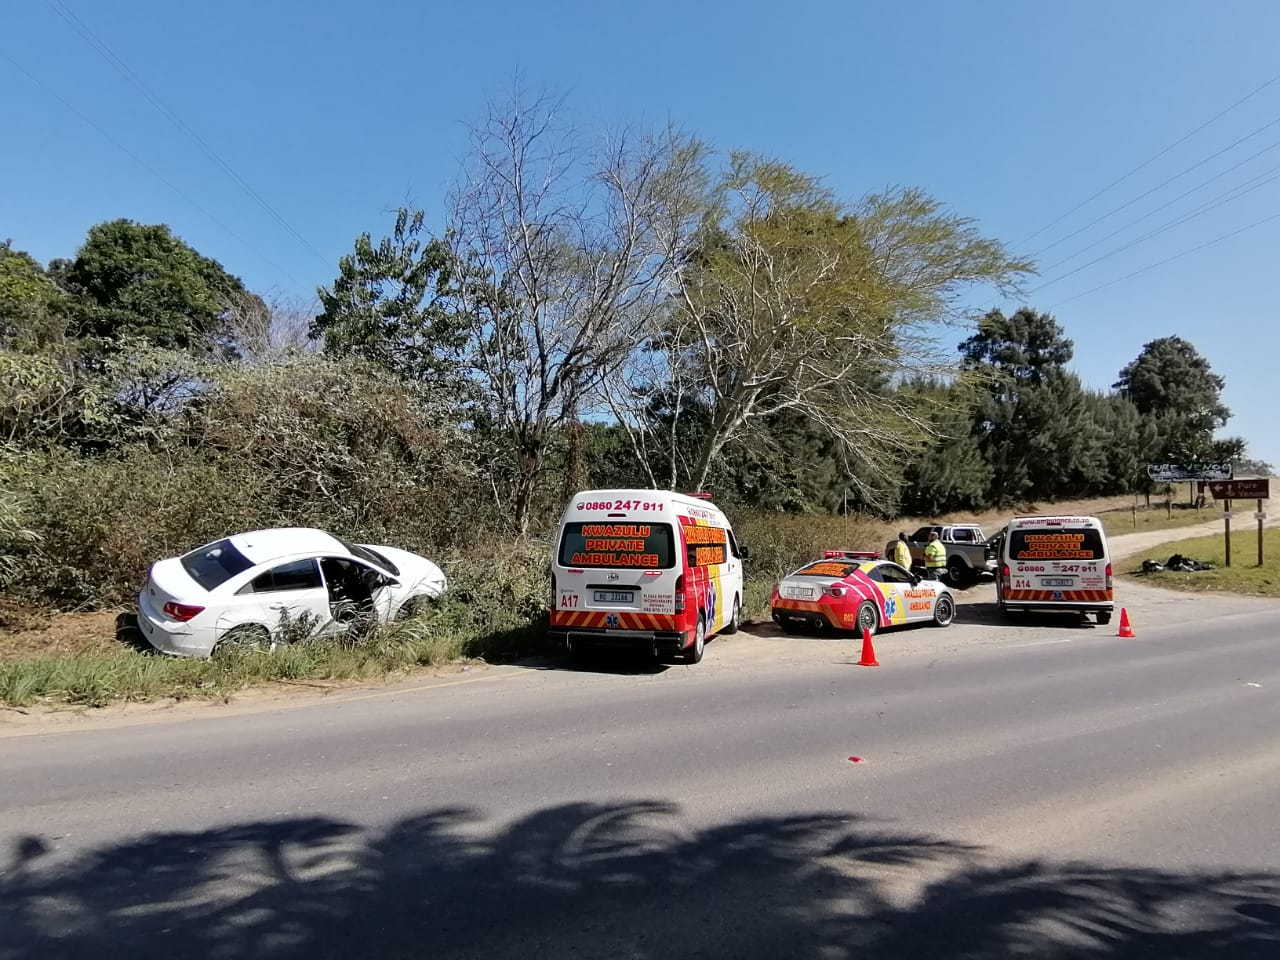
[1228, 490]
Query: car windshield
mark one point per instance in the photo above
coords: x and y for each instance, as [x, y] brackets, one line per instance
[369, 555]
[215, 564]
[1056, 543]
[829, 569]
[648, 545]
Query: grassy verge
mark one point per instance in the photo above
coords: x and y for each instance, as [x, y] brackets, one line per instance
[126, 674]
[1244, 576]
[1127, 520]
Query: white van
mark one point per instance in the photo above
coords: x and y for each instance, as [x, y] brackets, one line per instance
[1055, 563]
[645, 569]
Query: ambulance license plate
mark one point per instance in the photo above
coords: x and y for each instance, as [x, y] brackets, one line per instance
[613, 596]
[1056, 581]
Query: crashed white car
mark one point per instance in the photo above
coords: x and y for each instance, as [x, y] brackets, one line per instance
[247, 588]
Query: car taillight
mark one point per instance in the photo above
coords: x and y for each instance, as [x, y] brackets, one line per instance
[1108, 576]
[182, 612]
[1004, 574]
[680, 594]
[834, 590]
[554, 598]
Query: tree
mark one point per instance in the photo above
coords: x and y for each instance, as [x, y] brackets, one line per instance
[1032, 425]
[33, 311]
[138, 281]
[952, 473]
[796, 302]
[1172, 383]
[390, 304]
[564, 256]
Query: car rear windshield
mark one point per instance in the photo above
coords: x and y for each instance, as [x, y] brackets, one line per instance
[830, 569]
[215, 564]
[1056, 543]
[649, 546]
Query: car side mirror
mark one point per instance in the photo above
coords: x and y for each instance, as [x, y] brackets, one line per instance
[743, 552]
[915, 580]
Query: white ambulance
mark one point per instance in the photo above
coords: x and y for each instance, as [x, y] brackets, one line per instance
[1055, 563]
[647, 570]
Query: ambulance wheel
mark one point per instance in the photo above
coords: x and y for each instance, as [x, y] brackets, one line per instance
[693, 654]
[735, 621]
[867, 618]
[1103, 618]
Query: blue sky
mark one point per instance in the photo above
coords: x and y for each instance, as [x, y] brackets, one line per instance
[1010, 112]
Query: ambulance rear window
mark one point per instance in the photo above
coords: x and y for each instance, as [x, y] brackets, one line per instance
[1055, 543]
[649, 546]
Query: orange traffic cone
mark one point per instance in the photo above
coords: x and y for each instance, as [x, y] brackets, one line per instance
[868, 651]
[1126, 629]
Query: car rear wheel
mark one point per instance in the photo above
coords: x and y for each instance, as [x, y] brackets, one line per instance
[868, 620]
[944, 611]
[957, 572]
[250, 636]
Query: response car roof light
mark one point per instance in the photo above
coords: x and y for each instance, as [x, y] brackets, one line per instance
[850, 554]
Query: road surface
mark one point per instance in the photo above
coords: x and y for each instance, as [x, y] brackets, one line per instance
[1044, 790]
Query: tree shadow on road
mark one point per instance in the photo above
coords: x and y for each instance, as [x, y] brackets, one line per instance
[626, 880]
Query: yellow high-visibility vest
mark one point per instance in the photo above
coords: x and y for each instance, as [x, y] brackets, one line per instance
[935, 554]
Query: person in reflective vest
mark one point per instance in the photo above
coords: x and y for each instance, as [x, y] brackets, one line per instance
[935, 557]
[901, 553]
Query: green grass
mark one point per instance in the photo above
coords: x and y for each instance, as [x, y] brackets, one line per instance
[97, 679]
[1244, 576]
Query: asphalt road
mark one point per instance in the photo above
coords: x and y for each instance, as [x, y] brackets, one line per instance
[1043, 790]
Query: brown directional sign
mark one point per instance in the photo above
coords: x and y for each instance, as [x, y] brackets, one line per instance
[1240, 489]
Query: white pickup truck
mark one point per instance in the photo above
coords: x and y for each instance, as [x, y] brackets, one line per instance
[969, 554]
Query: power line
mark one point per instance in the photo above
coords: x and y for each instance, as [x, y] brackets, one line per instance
[123, 69]
[1168, 203]
[1150, 160]
[147, 167]
[1160, 186]
[1176, 256]
[1213, 203]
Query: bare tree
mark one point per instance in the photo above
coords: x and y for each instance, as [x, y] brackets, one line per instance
[261, 328]
[794, 302]
[566, 253]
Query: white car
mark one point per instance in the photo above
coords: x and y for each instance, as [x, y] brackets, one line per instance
[249, 586]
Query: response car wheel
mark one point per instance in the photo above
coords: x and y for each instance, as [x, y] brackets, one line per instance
[944, 611]
[867, 617]
[694, 653]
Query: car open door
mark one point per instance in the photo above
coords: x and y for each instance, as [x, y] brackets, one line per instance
[356, 592]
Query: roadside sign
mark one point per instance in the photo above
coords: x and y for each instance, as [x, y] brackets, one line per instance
[1176, 472]
[1241, 489]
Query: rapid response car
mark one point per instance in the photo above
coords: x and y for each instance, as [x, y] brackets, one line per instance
[856, 590]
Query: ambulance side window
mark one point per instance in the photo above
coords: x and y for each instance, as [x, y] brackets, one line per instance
[733, 544]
